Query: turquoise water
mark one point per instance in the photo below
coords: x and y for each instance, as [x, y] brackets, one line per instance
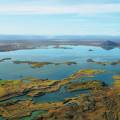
[79, 54]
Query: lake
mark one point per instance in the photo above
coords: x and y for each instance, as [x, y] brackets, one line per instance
[79, 54]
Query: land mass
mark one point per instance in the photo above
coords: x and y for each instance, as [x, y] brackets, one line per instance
[20, 42]
[103, 103]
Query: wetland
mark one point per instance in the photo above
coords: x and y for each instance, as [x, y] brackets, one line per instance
[80, 83]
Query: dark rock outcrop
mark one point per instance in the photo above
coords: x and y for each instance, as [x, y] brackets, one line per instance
[108, 45]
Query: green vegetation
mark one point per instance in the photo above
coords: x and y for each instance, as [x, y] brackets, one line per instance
[85, 73]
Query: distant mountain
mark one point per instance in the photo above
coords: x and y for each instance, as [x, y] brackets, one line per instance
[108, 45]
[59, 37]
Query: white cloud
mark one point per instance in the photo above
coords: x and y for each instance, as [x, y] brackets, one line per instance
[77, 9]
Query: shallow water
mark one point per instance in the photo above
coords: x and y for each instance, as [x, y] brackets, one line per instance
[79, 54]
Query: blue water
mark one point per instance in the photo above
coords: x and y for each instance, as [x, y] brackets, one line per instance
[59, 95]
[79, 54]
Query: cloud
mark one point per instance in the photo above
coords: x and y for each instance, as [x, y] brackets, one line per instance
[73, 9]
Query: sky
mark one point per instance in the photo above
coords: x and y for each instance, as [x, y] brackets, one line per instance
[60, 17]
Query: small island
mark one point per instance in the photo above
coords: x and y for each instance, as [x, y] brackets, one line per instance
[103, 63]
[5, 59]
[42, 64]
